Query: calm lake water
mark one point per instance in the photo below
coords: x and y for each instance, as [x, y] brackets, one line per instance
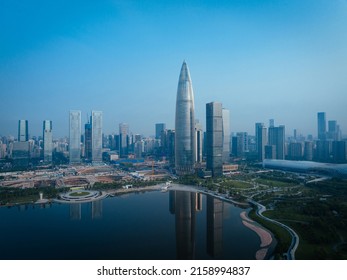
[151, 225]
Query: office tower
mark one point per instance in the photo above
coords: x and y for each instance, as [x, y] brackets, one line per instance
[139, 149]
[226, 135]
[88, 140]
[277, 138]
[333, 131]
[214, 138]
[323, 150]
[308, 150]
[242, 143]
[260, 135]
[138, 137]
[159, 129]
[96, 120]
[47, 141]
[75, 136]
[21, 154]
[295, 134]
[271, 123]
[123, 139]
[339, 151]
[295, 151]
[184, 124]
[270, 151]
[321, 126]
[170, 146]
[199, 138]
[23, 131]
[234, 146]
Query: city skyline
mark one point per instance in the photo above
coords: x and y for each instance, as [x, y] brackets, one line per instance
[285, 61]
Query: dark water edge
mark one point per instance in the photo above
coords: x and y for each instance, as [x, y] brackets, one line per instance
[141, 226]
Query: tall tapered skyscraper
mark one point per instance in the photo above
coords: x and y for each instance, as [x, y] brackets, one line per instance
[185, 124]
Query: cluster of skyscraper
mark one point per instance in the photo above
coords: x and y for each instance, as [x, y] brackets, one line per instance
[188, 133]
[22, 149]
[184, 147]
[92, 137]
[327, 147]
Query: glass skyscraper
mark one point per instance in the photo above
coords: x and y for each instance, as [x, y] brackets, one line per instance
[96, 136]
[260, 135]
[321, 125]
[214, 138]
[123, 139]
[277, 138]
[23, 134]
[75, 136]
[226, 135]
[159, 128]
[185, 124]
[47, 141]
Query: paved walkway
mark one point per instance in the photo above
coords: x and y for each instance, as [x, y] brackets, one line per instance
[295, 238]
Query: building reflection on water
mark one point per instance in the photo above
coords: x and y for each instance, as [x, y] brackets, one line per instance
[76, 210]
[214, 227]
[185, 205]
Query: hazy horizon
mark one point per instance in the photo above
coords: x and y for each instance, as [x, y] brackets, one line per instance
[263, 60]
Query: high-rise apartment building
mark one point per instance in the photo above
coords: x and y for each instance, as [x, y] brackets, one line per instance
[226, 135]
[75, 136]
[47, 141]
[260, 135]
[321, 125]
[23, 131]
[214, 138]
[185, 124]
[96, 120]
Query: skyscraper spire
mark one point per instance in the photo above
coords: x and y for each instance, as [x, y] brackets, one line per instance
[184, 124]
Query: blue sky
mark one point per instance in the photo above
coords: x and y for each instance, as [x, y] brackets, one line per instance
[285, 60]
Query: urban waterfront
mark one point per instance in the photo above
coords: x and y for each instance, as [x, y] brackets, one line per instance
[150, 225]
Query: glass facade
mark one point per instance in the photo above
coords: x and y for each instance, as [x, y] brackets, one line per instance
[214, 138]
[23, 134]
[321, 125]
[75, 136]
[96, 136]
[226, 135]
[260, 135]
[47, 141]
[123, 139]
[277, 138]
[185, 124]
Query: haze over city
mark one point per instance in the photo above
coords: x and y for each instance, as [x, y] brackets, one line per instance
[261, 59]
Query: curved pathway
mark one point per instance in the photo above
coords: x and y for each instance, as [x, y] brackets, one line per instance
[295, 238]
